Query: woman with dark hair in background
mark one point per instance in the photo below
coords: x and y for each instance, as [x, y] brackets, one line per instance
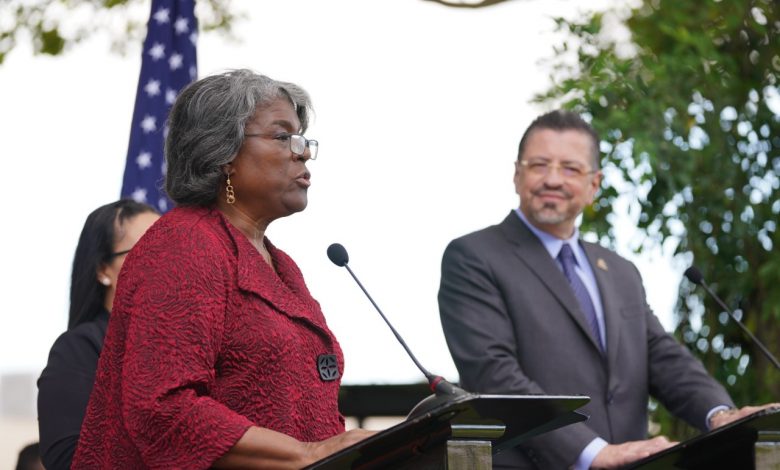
[217, 355]
[109, 233]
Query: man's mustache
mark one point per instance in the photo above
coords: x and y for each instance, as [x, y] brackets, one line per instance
[552, 192]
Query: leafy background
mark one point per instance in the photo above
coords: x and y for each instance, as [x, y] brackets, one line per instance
[685, 98]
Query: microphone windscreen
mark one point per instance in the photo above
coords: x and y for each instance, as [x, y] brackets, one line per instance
[338, 254]
[694, 275]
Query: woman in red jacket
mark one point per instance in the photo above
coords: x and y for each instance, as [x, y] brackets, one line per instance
[216, 353]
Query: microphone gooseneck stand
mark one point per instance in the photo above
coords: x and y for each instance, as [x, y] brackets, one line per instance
[443, 391]
[695, 276]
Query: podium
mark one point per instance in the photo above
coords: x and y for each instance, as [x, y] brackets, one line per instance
[752, 442]
[462, 433]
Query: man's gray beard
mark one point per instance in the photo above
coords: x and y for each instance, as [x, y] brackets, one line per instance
[548, 217]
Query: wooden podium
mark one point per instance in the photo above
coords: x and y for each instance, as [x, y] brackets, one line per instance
[461, 434]
[749, 443]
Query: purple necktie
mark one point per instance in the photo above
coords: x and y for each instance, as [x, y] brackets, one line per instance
[567, 260]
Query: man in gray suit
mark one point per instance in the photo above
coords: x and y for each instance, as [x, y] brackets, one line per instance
[529, 308]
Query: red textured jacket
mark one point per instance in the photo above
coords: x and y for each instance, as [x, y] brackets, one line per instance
[205, 340]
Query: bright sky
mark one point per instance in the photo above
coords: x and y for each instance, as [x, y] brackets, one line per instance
[419, 111]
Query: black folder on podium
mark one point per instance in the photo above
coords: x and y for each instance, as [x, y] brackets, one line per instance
[733, 446]
[421, 441]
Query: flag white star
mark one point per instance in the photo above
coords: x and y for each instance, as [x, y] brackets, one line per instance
[168, 60]
[149, 124]
[181, 25]
[175, 61]
[139, 195]
[170, 96]
[152, 87]
[162, 16]
[157, 51]
[144, 160]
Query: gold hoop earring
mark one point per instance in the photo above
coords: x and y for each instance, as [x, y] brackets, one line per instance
[231, 196]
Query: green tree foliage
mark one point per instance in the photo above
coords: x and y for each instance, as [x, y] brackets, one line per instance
[685, 97]
[54, 26]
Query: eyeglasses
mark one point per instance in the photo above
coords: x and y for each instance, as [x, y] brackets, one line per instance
[298, 143]
[566, 170]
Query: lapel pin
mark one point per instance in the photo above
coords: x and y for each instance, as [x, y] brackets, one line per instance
[602, 264]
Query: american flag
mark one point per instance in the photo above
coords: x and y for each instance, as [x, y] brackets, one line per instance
[168, 64]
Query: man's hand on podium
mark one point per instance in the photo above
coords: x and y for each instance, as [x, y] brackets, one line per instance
[724, 417]
[617, 455]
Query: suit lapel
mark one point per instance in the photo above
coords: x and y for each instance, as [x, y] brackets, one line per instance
[535, 256]
[608, 295]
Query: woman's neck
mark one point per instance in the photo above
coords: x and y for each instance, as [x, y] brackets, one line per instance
[253, 229]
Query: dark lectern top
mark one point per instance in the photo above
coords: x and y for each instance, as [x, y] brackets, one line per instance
[728, 447]
[420, 439]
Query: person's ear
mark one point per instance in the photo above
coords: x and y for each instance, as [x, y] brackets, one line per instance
[102, 276]
[596, 182]
[518, 177]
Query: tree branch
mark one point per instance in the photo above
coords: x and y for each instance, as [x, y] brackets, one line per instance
[457, 4]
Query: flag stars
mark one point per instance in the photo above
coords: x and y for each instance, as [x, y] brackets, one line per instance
[162, 16]
[168, 60]
[139, 194]
[170, 96]
[152, 87]
[157, 51]
[144, 160]
[175, 61]
[149, 124]
[181, 25]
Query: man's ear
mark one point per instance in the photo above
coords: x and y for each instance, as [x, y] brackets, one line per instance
[596, 183]
[517, 177]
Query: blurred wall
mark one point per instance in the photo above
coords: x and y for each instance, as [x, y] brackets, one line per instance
[18, 415]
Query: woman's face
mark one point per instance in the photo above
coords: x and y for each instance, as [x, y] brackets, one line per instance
[269, 181]
[126, 236]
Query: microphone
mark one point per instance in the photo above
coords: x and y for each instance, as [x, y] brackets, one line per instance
[695, 276]
[442, 389]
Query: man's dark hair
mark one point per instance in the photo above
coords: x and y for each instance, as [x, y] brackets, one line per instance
[560, 120]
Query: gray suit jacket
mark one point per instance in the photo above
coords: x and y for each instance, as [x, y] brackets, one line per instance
[514, 326]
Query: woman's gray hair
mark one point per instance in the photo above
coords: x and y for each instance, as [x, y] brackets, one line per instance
[206, 129]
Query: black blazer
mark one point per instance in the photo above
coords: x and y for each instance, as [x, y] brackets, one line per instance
[64, 388]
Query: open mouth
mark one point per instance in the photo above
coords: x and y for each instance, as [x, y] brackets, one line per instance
[304, 180]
